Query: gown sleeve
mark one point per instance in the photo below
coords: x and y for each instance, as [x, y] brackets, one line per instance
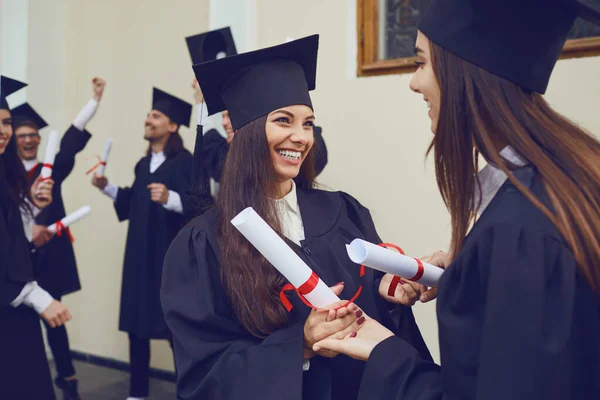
[214, 153]
[517, 288]
[215, 357]
[71, 143]
[197, 198]
[123, 202]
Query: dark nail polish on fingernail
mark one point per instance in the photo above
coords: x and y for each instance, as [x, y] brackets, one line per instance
[353, 334]
[339, 283]
[359, 314]
[360, 321]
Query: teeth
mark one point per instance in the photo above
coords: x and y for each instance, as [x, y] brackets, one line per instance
[292, 155]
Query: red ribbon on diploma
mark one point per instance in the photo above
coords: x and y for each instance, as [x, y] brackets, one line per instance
[60, 228]
[396, 280]
[99, 163]
[309, 286]
[32, 170]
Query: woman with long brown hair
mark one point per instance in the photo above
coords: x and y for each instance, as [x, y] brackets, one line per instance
[233, 337]
[518, 306]
[24, 372]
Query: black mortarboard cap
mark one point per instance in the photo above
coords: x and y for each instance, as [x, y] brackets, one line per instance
[7, 87]
[250, 85]
[211, 45]
[176, 109]
[26, 113]
[519, 40]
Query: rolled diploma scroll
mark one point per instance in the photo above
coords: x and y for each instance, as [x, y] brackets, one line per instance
[104, 159]
[50, 154]
[71, 218]
[274, 249]
[364, 253]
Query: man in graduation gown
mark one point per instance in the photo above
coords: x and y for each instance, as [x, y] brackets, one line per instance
[56, 268]
[155, 206]
[214, 45]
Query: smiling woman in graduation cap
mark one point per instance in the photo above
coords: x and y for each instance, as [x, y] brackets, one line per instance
[233, 337]
[518, 308]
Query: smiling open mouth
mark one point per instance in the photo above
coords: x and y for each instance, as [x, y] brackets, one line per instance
[290, 155]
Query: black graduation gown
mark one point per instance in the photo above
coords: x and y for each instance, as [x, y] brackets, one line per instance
[217, 358]
[24, 372]
[198, 198]
[214, 154]
[216, 148]
[151, 230]
[56, 268]
[516, 319]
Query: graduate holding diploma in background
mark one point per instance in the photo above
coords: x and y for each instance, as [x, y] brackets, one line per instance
[518, 305]
[233, 336]
[154, 206]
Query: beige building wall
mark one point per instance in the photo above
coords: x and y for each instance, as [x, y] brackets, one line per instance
[376, 130]
[134, 45]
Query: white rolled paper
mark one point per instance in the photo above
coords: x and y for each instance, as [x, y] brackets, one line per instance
[72, 218]
[364, 253]
[50, 154]
[104, 159]
[278, 253]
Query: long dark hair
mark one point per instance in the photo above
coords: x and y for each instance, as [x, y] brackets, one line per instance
[173, 146]
[480, 108]
[249, 179]
[14, 176]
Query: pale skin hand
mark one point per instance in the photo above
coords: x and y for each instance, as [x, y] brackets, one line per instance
[98, 85]
[365, 337]
[99, 181]
[158, 193]
[322, 324]
[406, 293]
[41, 192]
[359, 343]
[56, 314]
[41, 235]
[440, 259]
[198, 96]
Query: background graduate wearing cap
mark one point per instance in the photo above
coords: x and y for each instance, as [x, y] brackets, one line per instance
[233, 337]
[518, 306]
[24, 372]
[153, 205]
[211, 46]
[56, 268]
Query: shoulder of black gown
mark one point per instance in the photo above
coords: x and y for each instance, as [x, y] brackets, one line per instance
[327, 207]
[214, 138]
[216, 357]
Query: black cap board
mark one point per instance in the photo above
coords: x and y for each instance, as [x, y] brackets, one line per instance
[176, 109]
[519, 40]
[211, 45]
[26, 113]
[251, 85]
[7, 87]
